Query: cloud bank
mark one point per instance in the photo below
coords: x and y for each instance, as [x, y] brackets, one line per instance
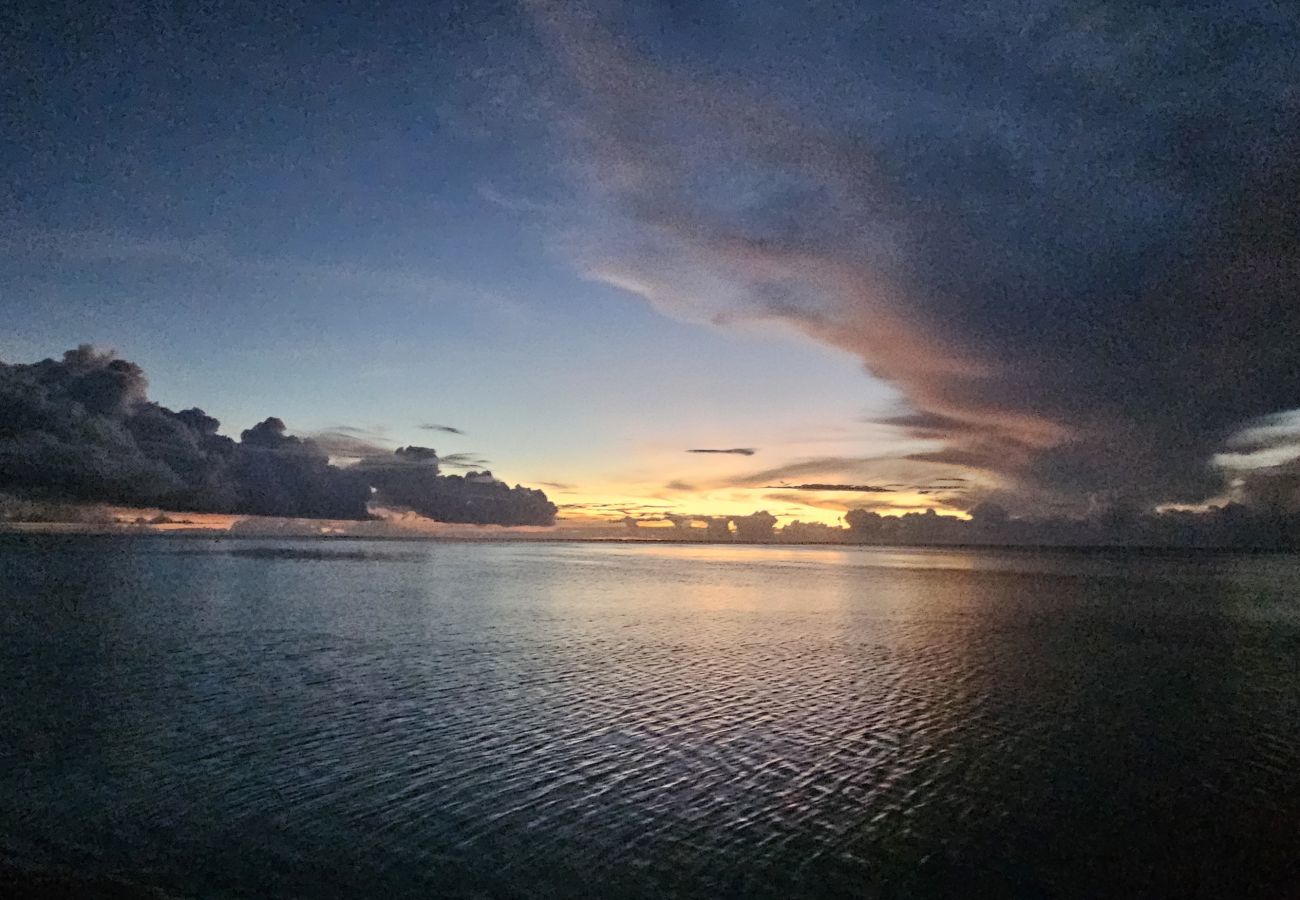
[83, 429]
[1068, 233]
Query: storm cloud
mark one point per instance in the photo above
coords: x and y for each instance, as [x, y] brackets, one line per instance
[1068, 233]
[83, 429]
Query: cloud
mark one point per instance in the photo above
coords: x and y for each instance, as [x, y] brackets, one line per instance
[817, 486]
[410, 479]
[824, 465]
[464, 461]
[344, 443]
[678, 485]
[516, 203]
[735, 451]
[756, 527]
[446, 429]
[83, 429]
[835, 504]
[1227, 526]
[1071, 239]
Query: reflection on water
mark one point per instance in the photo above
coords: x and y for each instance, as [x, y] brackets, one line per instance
[318, 719]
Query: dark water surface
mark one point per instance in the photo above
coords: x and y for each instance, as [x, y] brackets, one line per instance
[260, 718]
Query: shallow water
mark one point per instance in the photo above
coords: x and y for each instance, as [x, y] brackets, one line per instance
[298, 718]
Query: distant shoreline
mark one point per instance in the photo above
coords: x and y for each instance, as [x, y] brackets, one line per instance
[52, 529]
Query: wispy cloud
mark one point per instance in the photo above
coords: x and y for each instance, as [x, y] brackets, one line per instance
[463, 461]
[801, 468]
[514, 202]
[734, 451]
[820, 486]
[347, 442]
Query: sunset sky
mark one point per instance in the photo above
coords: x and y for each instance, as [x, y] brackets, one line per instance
[910, 255]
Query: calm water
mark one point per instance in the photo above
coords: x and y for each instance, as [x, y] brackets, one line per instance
[240, 718]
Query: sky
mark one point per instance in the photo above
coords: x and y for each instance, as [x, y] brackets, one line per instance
[912, 255]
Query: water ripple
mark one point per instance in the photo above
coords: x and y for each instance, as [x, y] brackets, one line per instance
[508, 721]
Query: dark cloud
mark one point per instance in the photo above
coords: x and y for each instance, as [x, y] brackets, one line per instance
[464, 461]
[410, 479]
[817, 486]
[624, 507]
[736, 451]
[678, 485]
[1070, 235]
[1229, 526]
[83, 429]
[756, 527]
[826, 465]
[446, 429]
[345, 443]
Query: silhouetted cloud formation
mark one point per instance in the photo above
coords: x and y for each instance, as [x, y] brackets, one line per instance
[755, 527]
[1070, 235]
[464, 461]
[832, 466]
[410, 479]
[818, 486]
[1231, 526]
[345, 443]
[735, 451]
[446, 429]
[83, 429]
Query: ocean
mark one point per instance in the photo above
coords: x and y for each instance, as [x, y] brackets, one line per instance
[320, 718]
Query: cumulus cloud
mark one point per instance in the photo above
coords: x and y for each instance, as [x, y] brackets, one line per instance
[1228, 526]
[410, 479]
[755, 527]
[1069, 235]
[735, 451]
[83, 429]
